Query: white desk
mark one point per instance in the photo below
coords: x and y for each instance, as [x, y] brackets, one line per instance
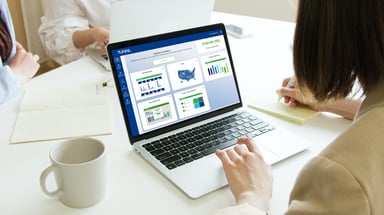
[134, 187]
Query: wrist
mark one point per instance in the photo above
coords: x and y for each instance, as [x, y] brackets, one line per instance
[319, 107]
[254, 200]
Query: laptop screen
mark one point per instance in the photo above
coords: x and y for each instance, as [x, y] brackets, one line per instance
[171, 80]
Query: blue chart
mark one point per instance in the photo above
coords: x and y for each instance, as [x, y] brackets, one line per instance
[191, 103]
[198, 102]
[151, 84]
[218, 66]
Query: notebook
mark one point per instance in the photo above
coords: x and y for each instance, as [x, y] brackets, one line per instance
[137, 18]
[77, 112]
[297, 114]
[180, 99]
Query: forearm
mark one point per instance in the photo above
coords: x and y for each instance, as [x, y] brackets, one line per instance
[344, 107]
[83, 38]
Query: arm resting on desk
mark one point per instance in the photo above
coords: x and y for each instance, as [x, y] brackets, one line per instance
[344, 107]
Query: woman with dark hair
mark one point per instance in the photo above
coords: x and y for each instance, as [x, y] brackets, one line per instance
[17, 65]
[337, 44]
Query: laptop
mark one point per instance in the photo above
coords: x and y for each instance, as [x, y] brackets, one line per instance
[137, 18]
[99, 56]
[180, 101]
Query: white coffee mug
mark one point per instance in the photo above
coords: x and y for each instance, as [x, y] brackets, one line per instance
[79, 166]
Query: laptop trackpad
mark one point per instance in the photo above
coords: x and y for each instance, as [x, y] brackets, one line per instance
[268, 156]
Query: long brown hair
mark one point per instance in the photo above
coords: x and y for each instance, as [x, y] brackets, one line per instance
[336, 43]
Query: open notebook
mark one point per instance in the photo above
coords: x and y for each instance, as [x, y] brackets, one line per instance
[48, 114]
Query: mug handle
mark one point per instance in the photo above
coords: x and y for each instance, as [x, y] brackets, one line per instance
[43, 180]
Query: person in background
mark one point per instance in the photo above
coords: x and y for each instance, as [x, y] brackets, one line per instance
[17, 65]
[336, 44]
[70, 26]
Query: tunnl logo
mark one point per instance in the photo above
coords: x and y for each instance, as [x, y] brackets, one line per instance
[124, 51]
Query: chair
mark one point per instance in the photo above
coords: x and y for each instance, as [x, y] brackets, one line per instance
[32, 11]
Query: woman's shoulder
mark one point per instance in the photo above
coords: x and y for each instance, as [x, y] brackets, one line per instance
[365, 134]
[346, 177]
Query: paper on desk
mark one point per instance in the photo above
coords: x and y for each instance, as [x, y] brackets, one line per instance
[278, 108]
[48, 114]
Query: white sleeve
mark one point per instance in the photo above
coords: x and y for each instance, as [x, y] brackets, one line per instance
[62, 18]
[241, 209]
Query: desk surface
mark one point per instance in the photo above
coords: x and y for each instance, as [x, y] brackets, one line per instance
[134, 187]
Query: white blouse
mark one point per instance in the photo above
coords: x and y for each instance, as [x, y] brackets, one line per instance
[62, 18]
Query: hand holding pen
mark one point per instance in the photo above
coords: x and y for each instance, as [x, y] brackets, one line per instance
[293, 96]
[290, 84]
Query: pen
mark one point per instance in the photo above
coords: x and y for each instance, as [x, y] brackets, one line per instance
[289, 85]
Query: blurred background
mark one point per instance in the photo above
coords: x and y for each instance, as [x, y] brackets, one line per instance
[26, 18]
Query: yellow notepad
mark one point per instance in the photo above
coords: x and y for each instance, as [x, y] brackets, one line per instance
[278, 108]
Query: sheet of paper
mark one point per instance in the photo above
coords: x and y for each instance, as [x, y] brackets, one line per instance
[48, 114]
[277, 108]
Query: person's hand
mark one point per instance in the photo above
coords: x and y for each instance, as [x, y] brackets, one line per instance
[101, 37]
[294, 97]
[24, 64]
[249, 176]
[19, 46]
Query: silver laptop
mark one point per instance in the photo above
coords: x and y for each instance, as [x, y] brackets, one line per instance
[180, 101]
[99, 56]
[137, 18]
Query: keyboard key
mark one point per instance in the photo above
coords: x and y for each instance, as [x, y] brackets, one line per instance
[180, 162]
[171, 166]
[167, 148]
[149, 147]
[197, 156]
[188, 159]
[163, 156]
[157, 152]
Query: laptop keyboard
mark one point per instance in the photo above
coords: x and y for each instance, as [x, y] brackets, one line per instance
[181, 148]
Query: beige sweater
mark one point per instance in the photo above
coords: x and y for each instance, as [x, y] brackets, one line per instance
[348, 176]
